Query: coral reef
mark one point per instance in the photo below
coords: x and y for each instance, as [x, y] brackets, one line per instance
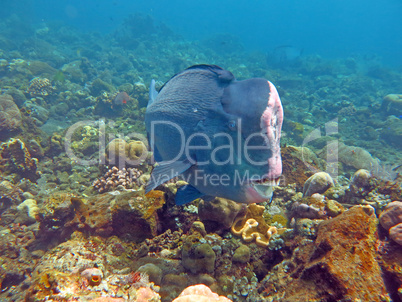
[73, 232]
[114, 178]
[129, 213]
[15, 158]
[197, 255]
[199, 293]
[40, 87]
[10, 116]
[253, 227]
[317, 183]
[392, 104]
[298, 165]
[341, 261]
[220, 210]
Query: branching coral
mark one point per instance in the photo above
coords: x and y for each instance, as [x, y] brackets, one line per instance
[115, 177]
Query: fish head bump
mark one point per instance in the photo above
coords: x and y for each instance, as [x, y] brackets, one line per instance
[257, 120]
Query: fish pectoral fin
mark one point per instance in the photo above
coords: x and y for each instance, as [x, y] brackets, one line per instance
[186, 194]
[152, 92]
[165, 172]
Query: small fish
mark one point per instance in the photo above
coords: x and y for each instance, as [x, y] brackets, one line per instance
[284, 55]
[221, 135]
[121, 98]
[59, 77]
[396, 167]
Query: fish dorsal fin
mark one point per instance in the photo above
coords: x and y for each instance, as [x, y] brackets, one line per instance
[165, 172]
[186, 194]
[152, 92]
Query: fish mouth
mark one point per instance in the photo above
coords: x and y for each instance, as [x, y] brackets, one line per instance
[264, 187]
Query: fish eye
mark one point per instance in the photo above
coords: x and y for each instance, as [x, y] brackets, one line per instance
[232, 125]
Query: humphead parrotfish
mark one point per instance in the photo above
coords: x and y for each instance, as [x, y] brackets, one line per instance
[222, 136]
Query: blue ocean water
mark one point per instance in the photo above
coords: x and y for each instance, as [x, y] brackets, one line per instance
[334, 28]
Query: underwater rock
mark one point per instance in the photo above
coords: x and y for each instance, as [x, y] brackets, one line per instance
[18, 96]
[391, 220]
[73, 72]
[129, 214]
[15, 158]
[392, 215]
[361, 178]
[199, 293]
[57, 211]
[98, 86]
[39, 113]
[392, 104]
[153, 271]
[396, 233]
[340, 265]
[221, 210]
[31, 207]
[241, 254]
[10, 116]
[304, 210]
[351, 156]
[317, 183]
[197, 257]
[298, 164]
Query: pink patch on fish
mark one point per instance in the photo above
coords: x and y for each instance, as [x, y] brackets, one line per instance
[252, 196]
[271, 125]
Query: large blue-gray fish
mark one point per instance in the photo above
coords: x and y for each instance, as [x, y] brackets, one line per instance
[221, 135]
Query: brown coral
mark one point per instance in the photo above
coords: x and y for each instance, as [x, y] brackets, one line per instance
[40, 87]
[15, 158]
[120, 152]
[10, 116]
[253, 226]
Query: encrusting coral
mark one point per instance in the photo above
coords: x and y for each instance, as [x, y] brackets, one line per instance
[40, 87]
[10, 116]
[253, 226]
[15, 158]
[317, 183]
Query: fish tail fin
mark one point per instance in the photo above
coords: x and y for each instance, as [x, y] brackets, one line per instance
[152, 92]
